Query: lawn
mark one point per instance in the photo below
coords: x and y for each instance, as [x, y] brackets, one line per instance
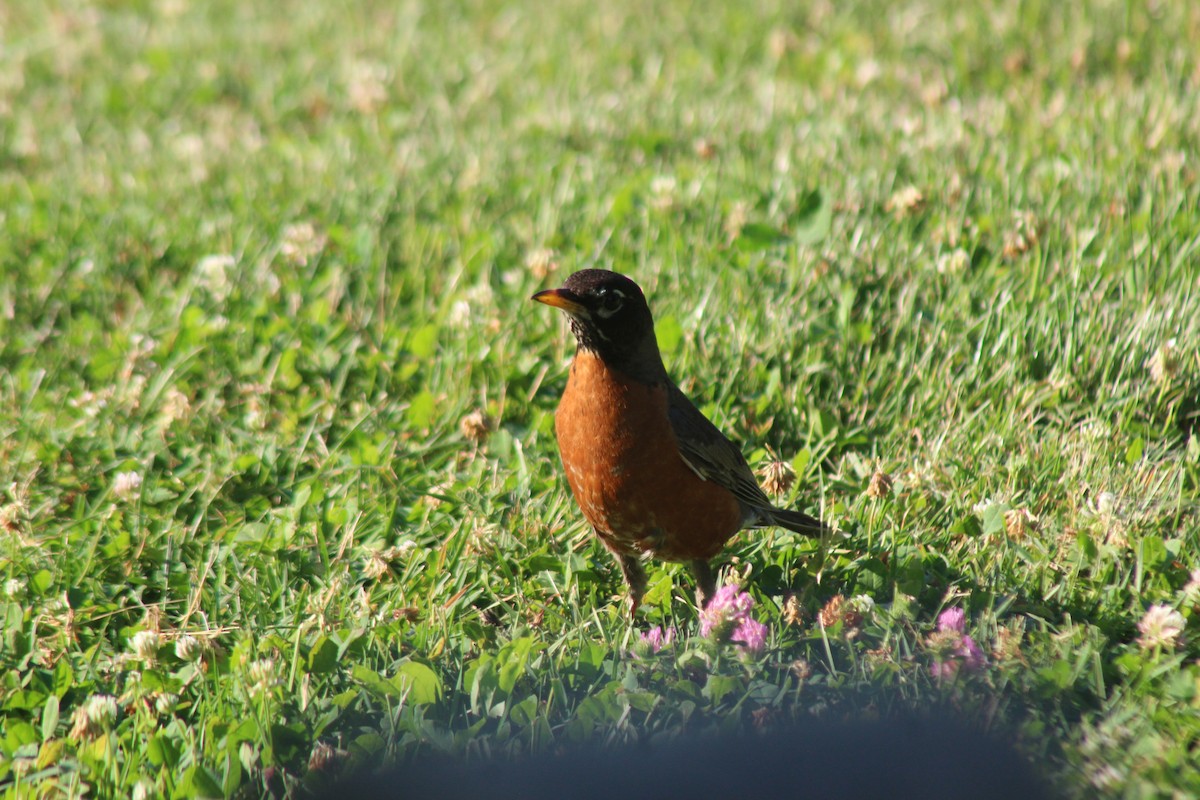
[279, 490]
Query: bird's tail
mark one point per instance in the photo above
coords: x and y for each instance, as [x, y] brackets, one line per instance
[796, 521]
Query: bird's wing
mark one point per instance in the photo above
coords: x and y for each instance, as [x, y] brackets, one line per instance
[709, 454]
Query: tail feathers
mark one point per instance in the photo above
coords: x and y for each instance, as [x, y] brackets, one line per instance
[795, 521]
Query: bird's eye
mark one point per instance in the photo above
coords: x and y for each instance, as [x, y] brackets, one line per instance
[611, 301]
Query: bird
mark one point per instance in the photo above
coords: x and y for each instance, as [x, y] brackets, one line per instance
[652, 475]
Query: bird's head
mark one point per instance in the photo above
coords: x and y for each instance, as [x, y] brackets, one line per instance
[609, 317]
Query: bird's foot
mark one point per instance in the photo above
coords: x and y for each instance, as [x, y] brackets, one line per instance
[706, 582]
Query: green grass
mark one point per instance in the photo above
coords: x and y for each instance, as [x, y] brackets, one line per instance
[267, 256]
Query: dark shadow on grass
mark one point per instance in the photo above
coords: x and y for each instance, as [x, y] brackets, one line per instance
[933, 755]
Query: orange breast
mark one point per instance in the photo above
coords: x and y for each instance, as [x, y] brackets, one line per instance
[625, 470]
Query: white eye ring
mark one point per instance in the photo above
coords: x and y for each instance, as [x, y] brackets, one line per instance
[611, 301]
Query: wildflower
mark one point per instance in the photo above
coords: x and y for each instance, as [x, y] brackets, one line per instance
[10, 516]
[1160, 627]
[662, 193]
[1018, 522]
[212, 274]
[261, 675]
[793, 614]
[780, 41]
[934, 92]
[862, 605]
[326, 757]
[983, 505]
[475, 302]
[145, 646]
[1008, 644]
[1106, 505]
[366, 87]
[175, 406]
[762, 717]
[831, 613]
[475, 427]
[704, 148]
[801, 669]
[952, 647]
[880, 656]
[880, 485]
[952, 619]
[728, 606]
[379, 562]
[778, 477]
[751, 634]
[127, 485]
[460, 314]
[189, 648]
[1192, 588]
[839, 610]
[540, 262]
[413, 614]
[1105, 776]
[953, 263]
[92, 403]
[1023, 237]
[849, 613]
[301, 242]
[656, 638]
[905, 202]
[165, 703]
[736, 219]
[377, 566]
[14, 588]
[255, 416]
[1164, 364]
[727, 616]
[94, 717]
[867, 72]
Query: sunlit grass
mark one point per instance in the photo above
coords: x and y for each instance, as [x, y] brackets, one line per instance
[277, 465]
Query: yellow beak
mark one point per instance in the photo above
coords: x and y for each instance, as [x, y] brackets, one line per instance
[561, 298]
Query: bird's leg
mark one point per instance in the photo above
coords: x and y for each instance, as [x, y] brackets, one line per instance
[635, 578]
[706, 581]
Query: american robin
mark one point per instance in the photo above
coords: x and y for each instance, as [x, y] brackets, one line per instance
[651, 474]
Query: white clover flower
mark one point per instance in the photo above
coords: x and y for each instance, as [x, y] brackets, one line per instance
[662, 192]
[94, 717]
[10, 516]
[540, 262]
[1192, 587]
[262, 675]
[127, 485]
[1160, 626]
[1164, 364]
[862, 604]
[953, 263]
[145, 645]
[905, 201]
[189, 648]
[143, 790]
[175, 405]
[366, 86]
[166, 703]
[1107, 504]
[212, 274]
[301, 242]
[102, 709]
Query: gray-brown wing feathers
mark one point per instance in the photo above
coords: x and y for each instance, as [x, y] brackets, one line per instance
[714, 458]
